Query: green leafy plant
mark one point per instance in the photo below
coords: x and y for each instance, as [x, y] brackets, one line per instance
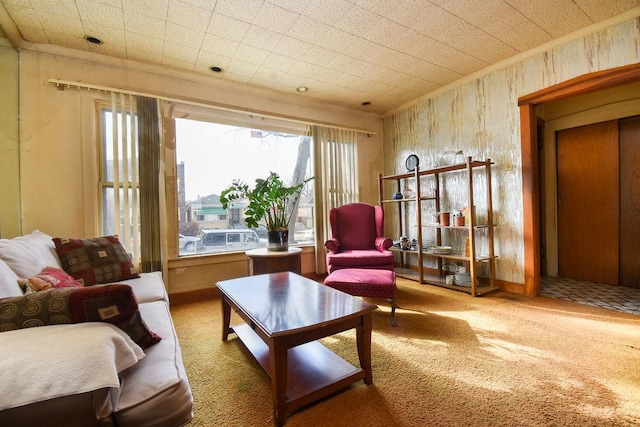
[270, 199]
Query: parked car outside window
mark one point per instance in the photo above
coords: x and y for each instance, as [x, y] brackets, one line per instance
[189, 243]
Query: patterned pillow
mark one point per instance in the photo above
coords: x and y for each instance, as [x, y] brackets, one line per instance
[113, 304]
[95, 261]
[49, 278]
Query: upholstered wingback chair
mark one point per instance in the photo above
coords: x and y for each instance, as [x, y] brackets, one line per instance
[356, 238]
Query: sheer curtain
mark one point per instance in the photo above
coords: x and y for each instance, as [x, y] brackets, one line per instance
[336, 168]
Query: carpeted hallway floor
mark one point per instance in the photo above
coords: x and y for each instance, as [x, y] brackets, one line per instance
[453, 360]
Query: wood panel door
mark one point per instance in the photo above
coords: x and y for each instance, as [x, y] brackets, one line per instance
[588, 203]
[630, 202]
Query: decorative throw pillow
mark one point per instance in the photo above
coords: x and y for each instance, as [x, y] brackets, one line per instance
[113, 304]
[95, 261]
[49, 278]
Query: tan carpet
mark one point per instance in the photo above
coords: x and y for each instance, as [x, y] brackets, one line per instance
[453, 360]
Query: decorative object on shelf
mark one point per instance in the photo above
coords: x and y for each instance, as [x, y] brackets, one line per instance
[443, 250]
[444, 219]
[414, 245]
[408, 192]
[404, 243]
[452, 157]
[412, 162]
[398, 196]
[458, 218]
[270, 200]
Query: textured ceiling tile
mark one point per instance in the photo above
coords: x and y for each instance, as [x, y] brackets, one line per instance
[279, 62]
[61, 25]
[297, 6]
[219, 45]
[153, 8]
[238, 78]
[303, 69]
[242, 10]
[109, 35]
[250, 54]
[266, 75]
[69, 41]
[185, 36]
[291, 47]
[318, 55]
[145, 25]
[308, 30]
[338, 41]
[229, 28]
[327, 11]
[275, 18]
[203, 4]
[557, 19]
[59, 7]
[598, 10]
[358, 21]
[187, 15]
[388, 33]
[389, 51]
[139, 46]
[240, 67]
[177, 64]
[118, 51]
[107, 16]
[34, 35]
[262, 38]
[181, 53]
[208, 59]
[381, 7]
[24, 16]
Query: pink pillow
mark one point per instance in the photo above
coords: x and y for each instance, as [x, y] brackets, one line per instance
[49, 278]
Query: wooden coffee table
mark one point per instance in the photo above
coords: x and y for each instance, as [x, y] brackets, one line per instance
[285, 315]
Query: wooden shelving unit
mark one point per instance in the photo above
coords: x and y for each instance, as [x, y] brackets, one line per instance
[471, 228]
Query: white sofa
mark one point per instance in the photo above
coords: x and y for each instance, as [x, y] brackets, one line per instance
[50, 376]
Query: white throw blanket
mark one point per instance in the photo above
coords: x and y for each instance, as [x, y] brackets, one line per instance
[46, 362]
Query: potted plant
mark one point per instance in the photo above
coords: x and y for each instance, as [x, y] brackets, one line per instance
[270, 199]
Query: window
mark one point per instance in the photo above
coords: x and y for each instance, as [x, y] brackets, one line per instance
[118, 182]
[211, 155]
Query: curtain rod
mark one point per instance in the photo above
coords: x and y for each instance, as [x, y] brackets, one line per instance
[80, 85]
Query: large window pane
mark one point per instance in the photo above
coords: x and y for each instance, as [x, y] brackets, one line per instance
[210, 156]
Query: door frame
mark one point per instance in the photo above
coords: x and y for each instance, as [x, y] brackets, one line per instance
[586, 83]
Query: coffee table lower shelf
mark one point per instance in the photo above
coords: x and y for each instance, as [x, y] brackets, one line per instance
[313, 371]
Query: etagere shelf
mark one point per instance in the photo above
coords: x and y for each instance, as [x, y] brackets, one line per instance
[466, 256]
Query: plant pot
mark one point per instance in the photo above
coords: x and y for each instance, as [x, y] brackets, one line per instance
[278, 241]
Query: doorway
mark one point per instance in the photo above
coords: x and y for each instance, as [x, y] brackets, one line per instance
[598, 202]
[588, 83]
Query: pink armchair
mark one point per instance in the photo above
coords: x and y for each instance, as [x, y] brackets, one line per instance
[357, 241]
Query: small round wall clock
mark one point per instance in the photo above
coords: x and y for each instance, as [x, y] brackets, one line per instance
[412, 162]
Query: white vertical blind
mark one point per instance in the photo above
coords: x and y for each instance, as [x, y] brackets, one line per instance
[124, 172]
[337, 174]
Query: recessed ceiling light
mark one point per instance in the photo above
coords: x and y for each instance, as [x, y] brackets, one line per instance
[366, 103]
[302, 89]
[215, 69]
[93, 40]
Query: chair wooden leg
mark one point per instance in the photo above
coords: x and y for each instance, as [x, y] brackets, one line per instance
[392, 301]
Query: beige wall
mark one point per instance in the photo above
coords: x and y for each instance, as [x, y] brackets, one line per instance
[9, 142]
[481, 118]
[58, 151]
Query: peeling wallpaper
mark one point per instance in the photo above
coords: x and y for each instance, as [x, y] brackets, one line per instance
[482, 119]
